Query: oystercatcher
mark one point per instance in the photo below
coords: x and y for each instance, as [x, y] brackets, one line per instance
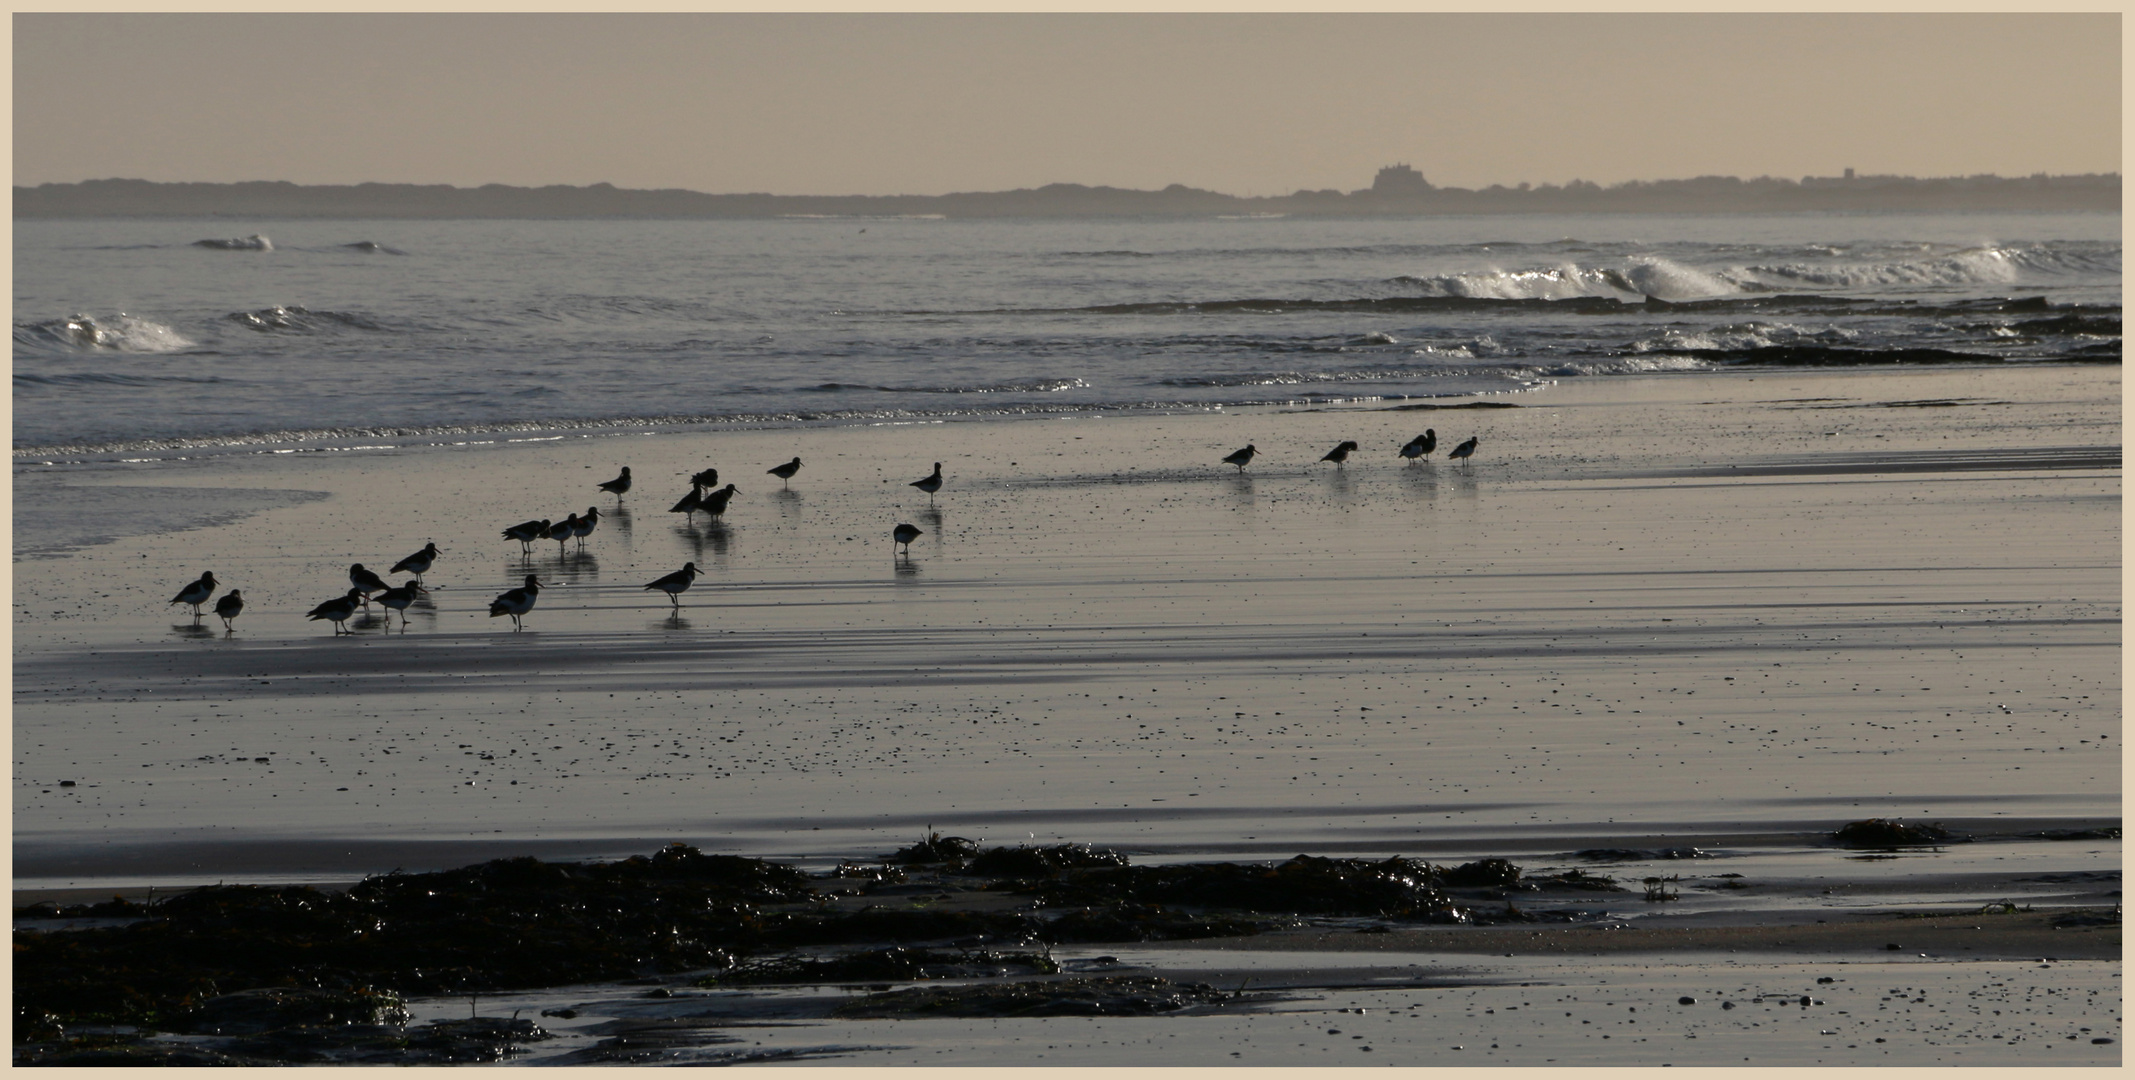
[517, 602]
[418, 563]
[1466, 449]
[1420, 445]
[618, 485]
[905, 534]
[783, 472]
[690, 503]
[674, 583]
[526, 532]
[1340, 453]
[714, 502]
[228, 608]
[1240, 457]
[707, 478]
[398, 599]
[563, 531]
[586, 525]
[366, 582]
[197, 593]
[337, 610]
[932, 483]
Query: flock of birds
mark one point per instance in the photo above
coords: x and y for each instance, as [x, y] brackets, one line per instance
[705, 496]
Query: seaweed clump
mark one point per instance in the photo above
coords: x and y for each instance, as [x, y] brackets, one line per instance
[1887, 832]
[1040, 862]
[893, 964]
[1395, 888]
[1113, 996]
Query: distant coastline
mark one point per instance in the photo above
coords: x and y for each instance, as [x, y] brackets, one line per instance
[1399, 191]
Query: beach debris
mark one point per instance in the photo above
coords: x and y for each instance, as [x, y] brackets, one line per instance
[2110, 832]
[1481, 872]
[1393, 888]
[1145, 922]
[271, 1008]
[1889, 832]
[1658, 890]
[895, 964]
[1118, 995]
[936, 848]
[1037, 862]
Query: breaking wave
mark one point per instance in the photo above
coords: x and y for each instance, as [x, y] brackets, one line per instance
[299, 320]
[254, 242]
[120, 333]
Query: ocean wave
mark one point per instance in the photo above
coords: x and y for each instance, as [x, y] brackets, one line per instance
[1629, 365]
[254, 242]
[1038, 386]
[1831, 356]
[1356, 375]
[107, 378]
[373, 247]
[120, 333]
[300, 320]
[2100, 325]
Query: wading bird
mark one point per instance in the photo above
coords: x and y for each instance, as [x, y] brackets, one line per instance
[197, 593]
[673, 584]
[932, 483]
[691, 503]
[586, 524]
[398, 599]
[366, 582]
[562, 531]
[228, 608]
[526, 532]
[714, 502]
[1421, 445]
[1466, 449]
[783, 472]
[337, 610]
[707, 478]
[905, 534]
[618, 485]
[1240, 457]
[418, 563]
[1340, 453]
[516, 603]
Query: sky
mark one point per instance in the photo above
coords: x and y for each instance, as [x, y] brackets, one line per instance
[831, 104]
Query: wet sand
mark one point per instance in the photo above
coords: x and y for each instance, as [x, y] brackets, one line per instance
[1726, 613]
[1108, 636]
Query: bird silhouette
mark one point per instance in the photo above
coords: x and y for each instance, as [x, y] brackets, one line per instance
[197, 593]
[674, 584]
[517, 602]
[1240, 457]
[228, 608]
[1466, 449]
[932, 482]
[337, 610]
[618, 485]
[1340, 453]
[418, 563]
[905, 534]
[786, 471]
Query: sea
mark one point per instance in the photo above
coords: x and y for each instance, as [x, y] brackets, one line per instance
[143, 336]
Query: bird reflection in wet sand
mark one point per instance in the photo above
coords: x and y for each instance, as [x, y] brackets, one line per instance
[1241, 488]
[788, 502]
[930, 518]
[620, 518]
[192, 630]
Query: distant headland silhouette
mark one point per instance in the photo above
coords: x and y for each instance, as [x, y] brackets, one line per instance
[1398, 191]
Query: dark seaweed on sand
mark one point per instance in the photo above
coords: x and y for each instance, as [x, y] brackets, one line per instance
[1040, 862]
[1113, 996]
[885, 965]
[1394, 888]
[1885, 832]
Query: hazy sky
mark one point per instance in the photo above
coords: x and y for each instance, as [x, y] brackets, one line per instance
[903, 104]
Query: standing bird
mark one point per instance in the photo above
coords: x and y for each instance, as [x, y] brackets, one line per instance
[618, 485]
[1421, 445]
[1340, 453]
[337, 610]
[932, 483]
[526, 532]
[197, 593]
[786, 471]
[714, 502]
[517, 602]
[674, 583]
[366, 582]
[586, 525]
[707, 478]
[562, 531]
[1240, 457]
[398, 600]
[690, 503]
[228, 608]
[417, 563]
[905, 534]
[1466, 449]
